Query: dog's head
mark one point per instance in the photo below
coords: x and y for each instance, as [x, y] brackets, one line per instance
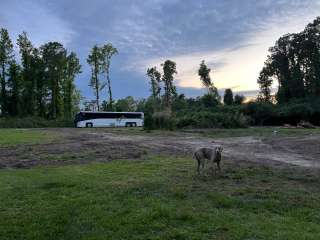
[219, 149]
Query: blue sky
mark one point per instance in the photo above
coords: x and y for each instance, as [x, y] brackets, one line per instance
[232, 36]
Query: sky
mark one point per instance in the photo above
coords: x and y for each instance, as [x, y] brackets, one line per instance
[232, 36]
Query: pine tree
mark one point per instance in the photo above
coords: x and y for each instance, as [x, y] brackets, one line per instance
[228, 97]
[169, 70]
[6, 57]
[72, 68]
[28, 74]
[15, 89]
[54, 59]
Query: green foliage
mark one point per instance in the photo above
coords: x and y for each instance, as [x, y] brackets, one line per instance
[294, 62]
[100, 59]
[206, 119]
[32, 74]
[204, 73]
[127, 104]
[69, 91]
[6, 56]
[14, 85]
[155, 80]
[291, 113]
[169, 70]
[33, 122]
[239, 99]
[42, 85]
[160, 120]
[259, 112]
[228, 97]
[209, 100]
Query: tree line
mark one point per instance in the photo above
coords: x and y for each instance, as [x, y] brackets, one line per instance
[165, 108]
[99, 60]
[39, 81]
[294, 63]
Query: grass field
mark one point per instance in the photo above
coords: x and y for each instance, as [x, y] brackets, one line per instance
[158, 197]
[24, 136]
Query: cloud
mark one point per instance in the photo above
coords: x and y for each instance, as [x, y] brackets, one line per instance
[240, 64]
[41, 24]
[232, 36]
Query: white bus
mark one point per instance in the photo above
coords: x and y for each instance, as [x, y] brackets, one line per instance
[109, 119]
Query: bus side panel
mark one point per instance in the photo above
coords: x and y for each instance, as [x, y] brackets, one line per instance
[109, 122]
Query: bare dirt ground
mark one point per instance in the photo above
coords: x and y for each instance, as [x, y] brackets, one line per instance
[79, 146]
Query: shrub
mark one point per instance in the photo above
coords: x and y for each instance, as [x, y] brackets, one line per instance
[206, 119]
[260, 113]
[160, 120]
[33, 122]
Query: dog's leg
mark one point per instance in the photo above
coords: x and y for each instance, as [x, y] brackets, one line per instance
[202, 164]
[218, 165]
[198, 168]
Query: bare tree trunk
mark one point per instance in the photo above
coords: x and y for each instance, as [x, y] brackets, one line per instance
[97, 86]
[109, 88]
[3, 96]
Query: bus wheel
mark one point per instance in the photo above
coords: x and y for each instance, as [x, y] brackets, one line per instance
[134, 124]
[89, 125]
[128, 124]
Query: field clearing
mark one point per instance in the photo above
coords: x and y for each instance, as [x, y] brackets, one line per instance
[25, 136]
[130, 184]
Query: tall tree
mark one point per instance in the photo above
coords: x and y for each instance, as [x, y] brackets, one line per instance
[155, 79]
[95, 60]
[72, 68]
[204, 73]
[265, 82]
[294, 62]
[54, 57]
[6, 56]
[38, 69]
[228, 97]
[28, 73]
[14, 85]
[108, 51]
[169, 70]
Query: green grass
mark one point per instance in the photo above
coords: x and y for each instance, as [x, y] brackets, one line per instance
[158, 198]
[24, 136]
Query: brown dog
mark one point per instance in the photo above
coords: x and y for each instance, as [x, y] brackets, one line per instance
[213, 155]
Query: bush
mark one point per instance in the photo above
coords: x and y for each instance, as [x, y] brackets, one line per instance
[33, 122]
[292, 113]
[213, 120]
[160, 120]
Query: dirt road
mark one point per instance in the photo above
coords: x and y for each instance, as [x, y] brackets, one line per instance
[79, 146]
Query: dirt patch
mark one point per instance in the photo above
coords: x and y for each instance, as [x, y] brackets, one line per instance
[77, 146]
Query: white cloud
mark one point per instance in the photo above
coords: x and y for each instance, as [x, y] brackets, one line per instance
[241, 66]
